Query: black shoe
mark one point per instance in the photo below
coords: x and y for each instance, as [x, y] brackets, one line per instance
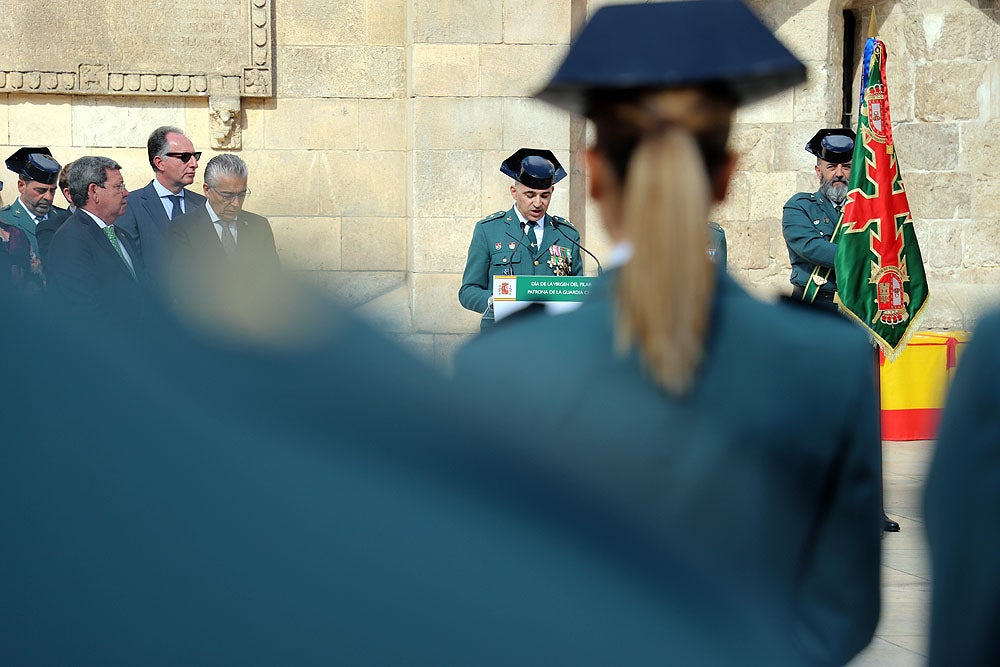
[888, 525]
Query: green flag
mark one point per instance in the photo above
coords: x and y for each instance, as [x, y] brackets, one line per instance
[880, 274]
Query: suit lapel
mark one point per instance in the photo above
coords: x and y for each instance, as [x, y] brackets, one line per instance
[210, 237]
[108, 252]
[154, 208]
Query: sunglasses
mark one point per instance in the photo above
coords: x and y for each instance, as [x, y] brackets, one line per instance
[185, 157]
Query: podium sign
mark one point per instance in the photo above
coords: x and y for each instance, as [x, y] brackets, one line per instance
[558, 293]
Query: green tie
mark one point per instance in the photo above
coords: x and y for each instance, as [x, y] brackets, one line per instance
[532, 239]
[109, 231]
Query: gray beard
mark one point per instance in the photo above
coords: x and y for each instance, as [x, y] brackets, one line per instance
[834, 191]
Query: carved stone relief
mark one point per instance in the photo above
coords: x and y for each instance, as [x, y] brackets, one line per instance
[186, 48]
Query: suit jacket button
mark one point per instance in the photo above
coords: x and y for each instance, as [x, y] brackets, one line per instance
[536, 262]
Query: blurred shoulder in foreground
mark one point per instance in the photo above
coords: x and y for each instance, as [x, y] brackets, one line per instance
[276, 483]
[962, 506]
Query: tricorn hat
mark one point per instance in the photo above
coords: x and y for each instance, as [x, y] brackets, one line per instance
[34, 164]
[673, 44]
[535, 167]
[834, 144]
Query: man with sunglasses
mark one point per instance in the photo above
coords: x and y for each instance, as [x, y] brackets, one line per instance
[152, 208]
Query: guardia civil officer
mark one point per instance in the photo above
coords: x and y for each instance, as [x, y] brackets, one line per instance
[37, 174]
[673, 390]
[523, 241]
[808, 222]
[809, 219]
[962, 507]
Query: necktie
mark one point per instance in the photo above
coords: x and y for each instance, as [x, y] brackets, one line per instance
[529, 227]
[228, 241]
[109, 231]
[175, 206]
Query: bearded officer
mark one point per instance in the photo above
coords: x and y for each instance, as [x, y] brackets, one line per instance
[809, 219]
[37, 173]
[524, 241]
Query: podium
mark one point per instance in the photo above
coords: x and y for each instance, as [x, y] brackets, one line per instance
[557, 293]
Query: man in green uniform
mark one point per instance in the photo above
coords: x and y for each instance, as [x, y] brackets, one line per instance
[37, 174]
[809, 219]
[524, 241]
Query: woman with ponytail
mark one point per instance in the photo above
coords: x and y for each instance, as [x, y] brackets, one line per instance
[701, 414]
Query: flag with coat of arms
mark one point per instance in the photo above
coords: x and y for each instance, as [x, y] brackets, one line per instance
[880, 273]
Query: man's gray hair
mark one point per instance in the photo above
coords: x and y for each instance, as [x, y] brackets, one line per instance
[84, 171]
[226, 164]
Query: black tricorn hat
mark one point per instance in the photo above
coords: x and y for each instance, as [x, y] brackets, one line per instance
[34, 164]
[670, 45]
[535, 167]
[834, 144]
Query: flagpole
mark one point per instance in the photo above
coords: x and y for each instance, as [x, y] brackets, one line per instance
[888, 525]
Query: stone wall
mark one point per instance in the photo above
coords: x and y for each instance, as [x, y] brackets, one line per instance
[944, 87]
[381, 146]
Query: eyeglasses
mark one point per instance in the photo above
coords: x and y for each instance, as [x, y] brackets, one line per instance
[230, 196]
[185, 156]
[120, 187]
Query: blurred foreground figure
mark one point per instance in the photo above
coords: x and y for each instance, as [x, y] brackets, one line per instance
[274, 483]
[962, 506]
[675, 395]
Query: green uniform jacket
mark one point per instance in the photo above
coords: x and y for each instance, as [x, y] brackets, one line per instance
[717, 243]
[767, 471]
[499, 247]
[962, 507]
[807, 223]
[304, 526]
[16, 215]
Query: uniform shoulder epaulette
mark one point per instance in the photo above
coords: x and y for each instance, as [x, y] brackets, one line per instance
[569, 226]
[800, 196]
[492, 216]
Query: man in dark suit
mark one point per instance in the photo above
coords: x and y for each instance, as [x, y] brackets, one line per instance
[219, 237]
[91, 268]
[221, 230]
[151, 208]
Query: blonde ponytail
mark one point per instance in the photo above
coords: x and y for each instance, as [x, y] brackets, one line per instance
[666, 290]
